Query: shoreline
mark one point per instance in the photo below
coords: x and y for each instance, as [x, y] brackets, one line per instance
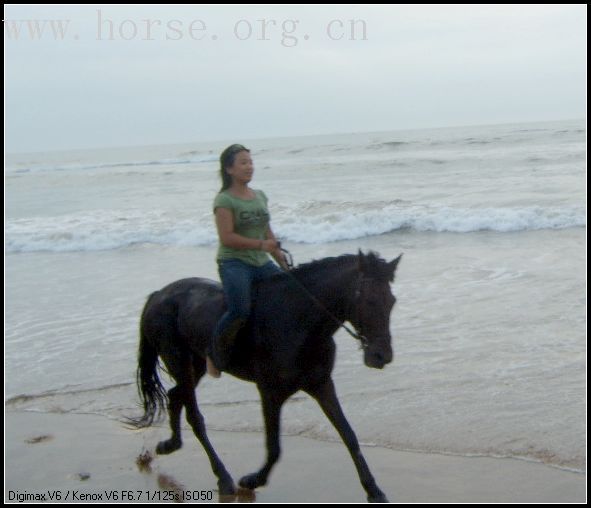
[56, 404]
[89, 457]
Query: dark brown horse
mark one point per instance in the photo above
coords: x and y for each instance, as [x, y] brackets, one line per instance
[286, 346]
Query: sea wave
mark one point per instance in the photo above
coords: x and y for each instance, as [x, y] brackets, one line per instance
[349, 223]
[182, 159]
[102, 230]
[313, 222]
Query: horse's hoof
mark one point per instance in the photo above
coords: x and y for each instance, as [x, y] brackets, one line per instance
[246, 496]
[251, 481]
[378, 498]
[227, 487]
[169, 446]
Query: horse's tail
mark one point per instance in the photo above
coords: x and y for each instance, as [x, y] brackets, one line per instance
[152, 393]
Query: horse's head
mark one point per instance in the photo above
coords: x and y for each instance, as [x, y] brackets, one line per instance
[373, 304]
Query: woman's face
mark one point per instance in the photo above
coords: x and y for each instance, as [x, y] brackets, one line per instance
[242, 169]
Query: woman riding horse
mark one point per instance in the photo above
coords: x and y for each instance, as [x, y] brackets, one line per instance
[246, 240]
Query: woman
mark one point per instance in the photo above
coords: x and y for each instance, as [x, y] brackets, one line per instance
[246, 240]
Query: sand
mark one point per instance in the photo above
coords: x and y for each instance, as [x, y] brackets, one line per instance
[89, 458]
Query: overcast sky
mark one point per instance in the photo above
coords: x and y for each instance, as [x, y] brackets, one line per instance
[117, 76]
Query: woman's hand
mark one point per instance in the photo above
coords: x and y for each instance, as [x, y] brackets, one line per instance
[279, 256]
[273, 248]
[270, 246]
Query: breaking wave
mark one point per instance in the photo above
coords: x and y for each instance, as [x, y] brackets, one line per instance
[312, 222]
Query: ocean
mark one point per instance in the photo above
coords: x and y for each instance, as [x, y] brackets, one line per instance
[489, 328]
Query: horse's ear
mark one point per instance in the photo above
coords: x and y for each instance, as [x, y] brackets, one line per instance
[394, 264]
[361, 262]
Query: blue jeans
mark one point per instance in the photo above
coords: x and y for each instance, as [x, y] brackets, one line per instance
[238, 278]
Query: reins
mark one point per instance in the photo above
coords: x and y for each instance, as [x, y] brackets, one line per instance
[353, 333]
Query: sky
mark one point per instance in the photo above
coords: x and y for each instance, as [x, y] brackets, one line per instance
[103, 75]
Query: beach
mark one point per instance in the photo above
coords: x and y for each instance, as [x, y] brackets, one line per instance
[90, 458]
[486, 397]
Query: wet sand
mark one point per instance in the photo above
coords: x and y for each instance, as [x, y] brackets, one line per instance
[89, 458]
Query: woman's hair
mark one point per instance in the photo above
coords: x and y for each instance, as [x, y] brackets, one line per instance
[226, 160]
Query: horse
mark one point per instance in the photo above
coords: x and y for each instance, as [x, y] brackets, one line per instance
[286, 346]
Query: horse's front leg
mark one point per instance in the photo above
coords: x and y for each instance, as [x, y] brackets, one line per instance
[272, 413]
[327, 398]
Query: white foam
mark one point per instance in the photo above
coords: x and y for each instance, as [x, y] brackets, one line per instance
[310, 222]
[102, 230]
[355, 223]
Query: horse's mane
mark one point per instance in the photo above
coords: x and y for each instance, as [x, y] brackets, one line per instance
[374, 266]
[308, 270]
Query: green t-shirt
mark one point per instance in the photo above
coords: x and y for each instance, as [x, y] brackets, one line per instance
[251, 219]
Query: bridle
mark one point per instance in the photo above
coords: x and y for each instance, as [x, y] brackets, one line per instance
[357, 311]
[358, 332]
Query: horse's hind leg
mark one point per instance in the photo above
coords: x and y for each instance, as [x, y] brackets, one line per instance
[195, 419]
[327, 398]
[180, 369]
[175, 405]
[187, 370]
